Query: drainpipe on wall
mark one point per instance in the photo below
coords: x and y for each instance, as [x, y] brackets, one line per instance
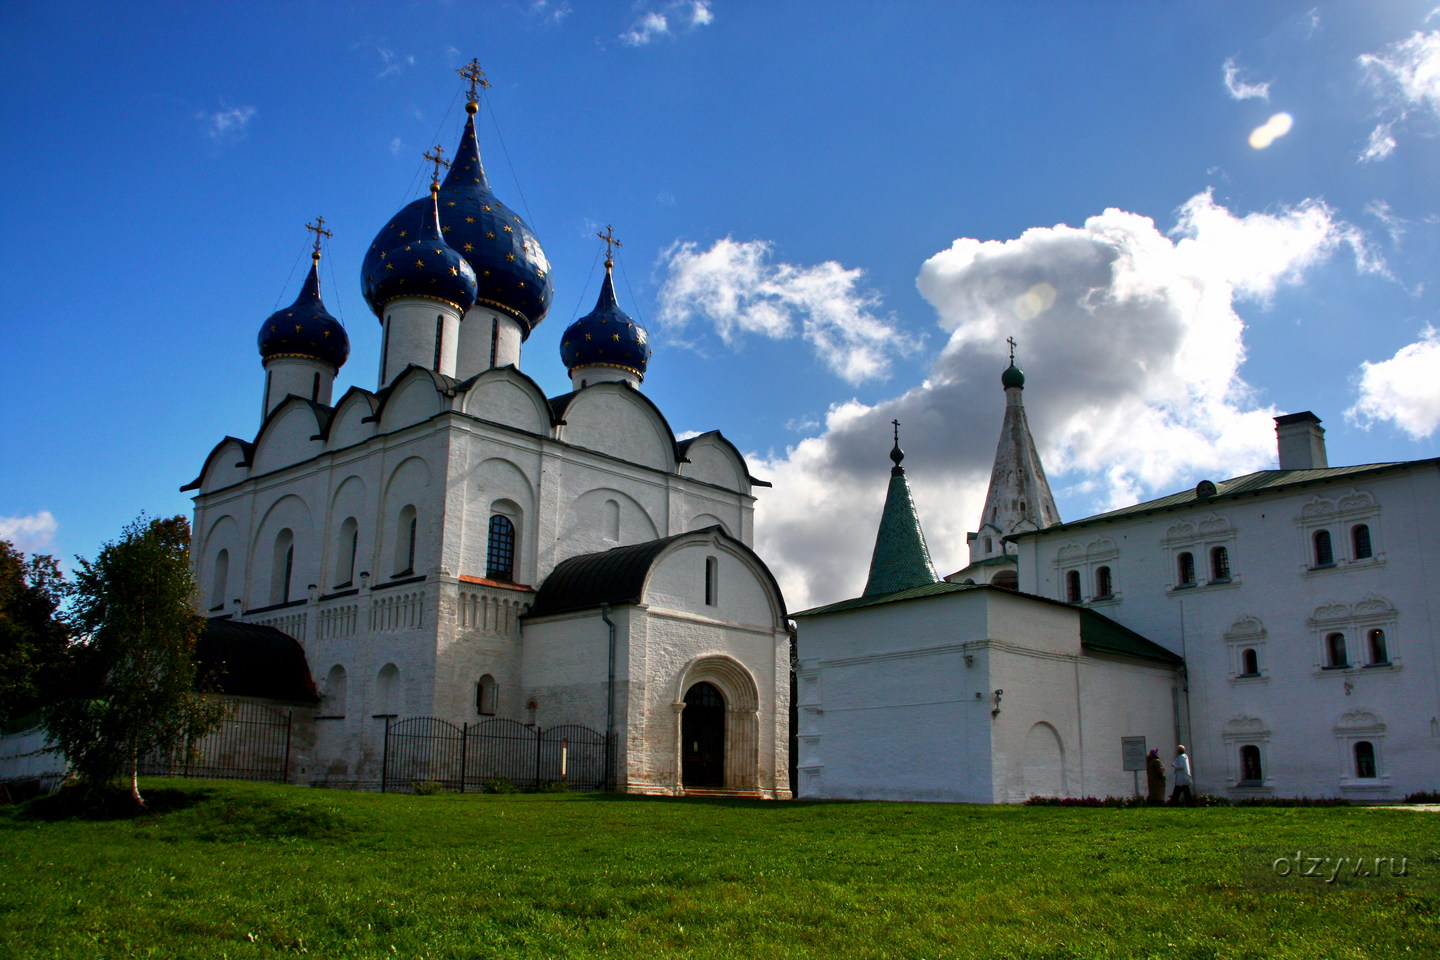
[609, 699]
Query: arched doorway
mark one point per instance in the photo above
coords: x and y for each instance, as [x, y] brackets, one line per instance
[702, 737]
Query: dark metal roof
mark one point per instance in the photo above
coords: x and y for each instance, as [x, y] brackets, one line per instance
[305, 328]
[248, 660]
[606, 335]
[617, 576]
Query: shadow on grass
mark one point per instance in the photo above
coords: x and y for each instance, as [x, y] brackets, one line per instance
[113, 803]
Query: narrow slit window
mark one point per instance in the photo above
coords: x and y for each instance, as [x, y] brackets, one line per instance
[712, 581]
[1324, 549]
[1360, 540]
[1185, 569]
[1219, 564]
[1072, 586]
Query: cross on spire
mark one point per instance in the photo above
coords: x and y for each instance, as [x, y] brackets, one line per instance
[610, 244]
[1011, 341]
[476, 76]
[319, 227]
[896, 454]
[438, 160]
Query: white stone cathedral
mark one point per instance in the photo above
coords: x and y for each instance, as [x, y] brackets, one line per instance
[456, 544]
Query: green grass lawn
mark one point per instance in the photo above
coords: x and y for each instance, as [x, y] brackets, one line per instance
[258, 871]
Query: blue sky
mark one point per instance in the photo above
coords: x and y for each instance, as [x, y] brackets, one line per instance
[832, 216]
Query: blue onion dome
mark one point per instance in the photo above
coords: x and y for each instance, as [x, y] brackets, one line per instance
[606, 336]
[423, 266]
[305, 328]
[1012, 377]
[511, 271]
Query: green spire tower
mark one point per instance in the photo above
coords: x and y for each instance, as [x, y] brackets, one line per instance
[900, 560]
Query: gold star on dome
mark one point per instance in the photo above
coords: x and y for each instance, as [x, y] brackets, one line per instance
[327, 333]
[445, 229]
[449, 203]
[490, 235]
[485, 206]
[469, 246]
[587, 336]
[289, 313]
[615, 337]
[389, 266]
[486, 273]
[454, 272]
[297, 328]
[507, 229]
[522, 283]
[384, 254]
[509, 256]
[438, 250]
[469, 219]
[419, 262]
[403, 232]
[272, 328]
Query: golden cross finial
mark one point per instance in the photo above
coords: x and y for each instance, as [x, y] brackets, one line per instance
[438, 160]
[1011, 341]
[319, 227]
[610, 244]
[476, 76]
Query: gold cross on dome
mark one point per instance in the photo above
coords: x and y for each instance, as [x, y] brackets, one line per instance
[476, 76]
[436, 159]
[319, 227]
[610, 243]
[1011, 341]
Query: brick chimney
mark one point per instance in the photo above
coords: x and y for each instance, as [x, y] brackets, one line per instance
[1301, 440]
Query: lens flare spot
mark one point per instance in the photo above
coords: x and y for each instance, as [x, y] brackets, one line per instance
[1271, 130]
[1035, 301]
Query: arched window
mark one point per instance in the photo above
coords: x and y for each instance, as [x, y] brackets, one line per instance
[1324, 550]
[335, 692]
[1072, 586]
[1379, 653]
[405, 529]
[1006, 579]
[1219, 565]
[1249, 662]
[1185, 569]
[1360, 540]
[439, 340]
[612, 520]
[712, 581]
[315, 387]
[1365, 760]
[218, 580]
[345, 552]
[1250, 769]
[500, 554]
[1335, 651]
[485, 696]
[989, 545]
[387, 690]
[282, 566]
[1104, 587]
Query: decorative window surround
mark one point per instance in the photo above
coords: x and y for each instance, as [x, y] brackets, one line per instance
[1339, 517]
[1354, 726]
[1355, 621]
[1241, 732]
[1246, 633]
[1086, 560]
[1200, 538]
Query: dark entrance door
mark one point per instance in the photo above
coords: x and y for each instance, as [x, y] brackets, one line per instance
[702, 737]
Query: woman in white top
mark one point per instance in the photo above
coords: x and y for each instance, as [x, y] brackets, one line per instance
[1182, 778]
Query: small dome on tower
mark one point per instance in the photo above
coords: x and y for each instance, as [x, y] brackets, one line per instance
[306, 328]
[423, 266]
[1012, 377]
[606, 336]
[511, 271]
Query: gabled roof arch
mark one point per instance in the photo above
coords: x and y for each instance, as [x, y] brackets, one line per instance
[486, 383]
[242, 448]
[718, 439]
[282, 411]
[566, 407]
[402, 388]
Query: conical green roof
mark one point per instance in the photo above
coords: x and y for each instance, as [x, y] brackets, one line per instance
[900, 560]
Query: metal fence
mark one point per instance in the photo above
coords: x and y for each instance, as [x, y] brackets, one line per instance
[427, 752]
[252, 742]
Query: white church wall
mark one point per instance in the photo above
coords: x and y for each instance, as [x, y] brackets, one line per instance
[348, 426]
[484, 332]
[285, 525]
[618, 420]
[1289, 709]
[604, 517]
[504, 396]
[496, 484]
[712, 462]
[413, 400]
[226, 467]
[290, 437]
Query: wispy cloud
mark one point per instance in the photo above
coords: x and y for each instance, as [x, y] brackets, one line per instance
[31, 532]
[1403, 390]
[735, 288]
[394, 62]
[1406, 77]
[552, 12]
[227, 123]
[667, 19]
[1132, 340]
[1239, 89]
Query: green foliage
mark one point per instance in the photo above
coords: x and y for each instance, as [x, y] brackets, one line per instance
[1424, 796]
[500, 785]
[32, 636]
[130, 679]
[252, 870]
[426, 788]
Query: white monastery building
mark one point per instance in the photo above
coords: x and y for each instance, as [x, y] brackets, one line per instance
[1283, 625]
[454, 544]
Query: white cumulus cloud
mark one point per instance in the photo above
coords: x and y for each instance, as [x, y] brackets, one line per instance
[1239, 89]
[1131, 342]
[657, 22]
[1404, 390]
[227, 123]
[31, 532]
[1407, 76]
[736, 288]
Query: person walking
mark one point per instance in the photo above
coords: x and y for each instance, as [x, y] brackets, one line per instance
[1182, 778]
[1155, 779]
